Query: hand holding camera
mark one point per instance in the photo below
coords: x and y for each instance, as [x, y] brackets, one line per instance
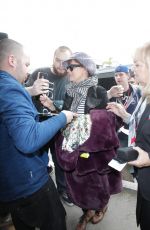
[126, 154]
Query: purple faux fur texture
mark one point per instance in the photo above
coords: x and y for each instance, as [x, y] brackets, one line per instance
[90, 181]
[103, 140]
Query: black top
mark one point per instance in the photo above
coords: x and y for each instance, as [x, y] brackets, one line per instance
[143, 141]
[59, 85]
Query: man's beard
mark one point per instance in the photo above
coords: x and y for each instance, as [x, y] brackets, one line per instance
[59, 73]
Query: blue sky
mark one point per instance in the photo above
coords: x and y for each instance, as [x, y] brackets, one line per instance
[102, 28]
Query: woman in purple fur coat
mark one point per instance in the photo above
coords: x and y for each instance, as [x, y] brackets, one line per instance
[86, 146]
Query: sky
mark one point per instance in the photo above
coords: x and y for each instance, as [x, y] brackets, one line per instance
[101, 28]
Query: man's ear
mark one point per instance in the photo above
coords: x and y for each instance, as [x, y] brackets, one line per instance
[12, 60]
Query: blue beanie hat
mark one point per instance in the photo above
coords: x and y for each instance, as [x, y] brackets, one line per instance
[85, 60]
[122, 68]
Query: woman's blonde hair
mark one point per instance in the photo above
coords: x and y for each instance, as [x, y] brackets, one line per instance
[143, 54]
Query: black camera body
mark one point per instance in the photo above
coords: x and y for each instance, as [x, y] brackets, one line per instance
[126, 154]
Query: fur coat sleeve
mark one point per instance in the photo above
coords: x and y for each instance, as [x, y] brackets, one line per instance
[101, 145]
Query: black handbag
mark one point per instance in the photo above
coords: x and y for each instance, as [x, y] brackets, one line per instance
[126, 154]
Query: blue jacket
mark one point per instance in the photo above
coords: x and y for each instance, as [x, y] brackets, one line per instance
[23, 165]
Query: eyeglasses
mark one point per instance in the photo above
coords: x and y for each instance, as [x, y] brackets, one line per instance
[72, 66]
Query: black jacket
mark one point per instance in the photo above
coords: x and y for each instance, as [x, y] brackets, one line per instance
[143, 141]
[96, 99]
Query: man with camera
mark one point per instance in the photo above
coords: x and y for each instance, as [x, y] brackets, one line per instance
[27, 191]
[56, 77]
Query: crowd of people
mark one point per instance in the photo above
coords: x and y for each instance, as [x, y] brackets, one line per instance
[62, 110]
[57, 76]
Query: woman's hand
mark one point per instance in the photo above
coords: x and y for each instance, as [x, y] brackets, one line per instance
[47, 102]
[119, 110]
[143, 159]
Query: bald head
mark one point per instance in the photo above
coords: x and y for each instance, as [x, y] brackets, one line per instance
[9, 47]
[62, 49]
[12, 59]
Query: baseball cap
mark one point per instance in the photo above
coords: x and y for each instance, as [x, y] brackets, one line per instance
[122, 68]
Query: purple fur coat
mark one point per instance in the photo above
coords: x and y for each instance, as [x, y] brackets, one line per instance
[90, 181]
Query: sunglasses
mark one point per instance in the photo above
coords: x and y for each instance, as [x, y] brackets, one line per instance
[72, 66]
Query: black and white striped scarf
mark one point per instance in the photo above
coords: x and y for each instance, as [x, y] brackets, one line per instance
[79, 91]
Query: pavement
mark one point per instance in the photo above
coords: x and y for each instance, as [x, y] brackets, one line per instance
[119, 216]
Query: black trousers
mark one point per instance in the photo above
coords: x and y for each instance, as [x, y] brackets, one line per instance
[143, 212]
[59, 173]
[42, 209]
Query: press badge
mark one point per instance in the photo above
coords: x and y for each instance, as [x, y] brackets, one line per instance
[84, 155]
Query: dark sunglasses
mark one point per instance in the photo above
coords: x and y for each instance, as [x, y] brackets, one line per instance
[72, 66]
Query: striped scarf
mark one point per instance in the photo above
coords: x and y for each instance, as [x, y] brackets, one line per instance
[79, 91]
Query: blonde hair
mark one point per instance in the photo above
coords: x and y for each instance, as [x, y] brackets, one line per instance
[143, 54]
